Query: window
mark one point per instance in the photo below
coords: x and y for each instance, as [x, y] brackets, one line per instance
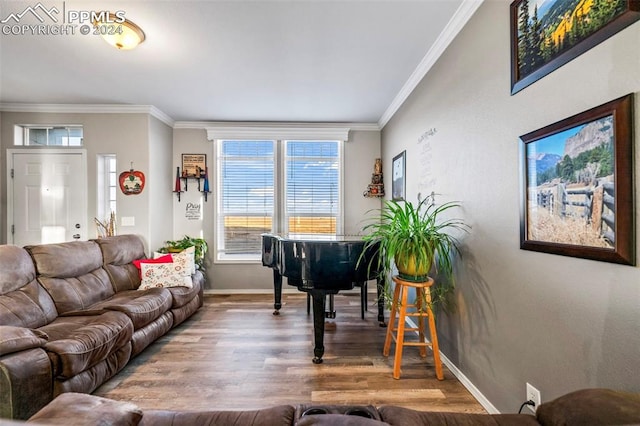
[245, 197]
[275, 186]
[312, 195]
[107, 185]
[48, 135]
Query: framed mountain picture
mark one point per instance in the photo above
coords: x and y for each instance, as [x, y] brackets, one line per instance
[546, 34]
[577, 185]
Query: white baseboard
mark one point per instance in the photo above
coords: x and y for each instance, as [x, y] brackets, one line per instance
[486, 404]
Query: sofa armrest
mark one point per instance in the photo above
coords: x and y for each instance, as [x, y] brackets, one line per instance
[26, 383]
[87, 410]
[16, 339]
[591, 406]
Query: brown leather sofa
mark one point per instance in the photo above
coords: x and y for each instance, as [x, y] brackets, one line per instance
[71, 317]
[580, 408]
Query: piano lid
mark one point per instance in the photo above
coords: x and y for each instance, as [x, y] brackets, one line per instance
[316, 237]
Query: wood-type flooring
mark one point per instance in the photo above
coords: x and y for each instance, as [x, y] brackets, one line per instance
[234, 354]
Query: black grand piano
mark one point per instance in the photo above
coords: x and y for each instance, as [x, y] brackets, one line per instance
[321, 266]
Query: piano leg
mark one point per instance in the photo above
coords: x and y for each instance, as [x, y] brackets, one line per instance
[380, 286]
[331, 313]
[277, 292]
[319, 304]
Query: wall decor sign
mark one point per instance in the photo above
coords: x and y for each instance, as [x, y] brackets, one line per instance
[398, 183]
[546, 34]
[131, 182]
[577, 185]
[194, 165]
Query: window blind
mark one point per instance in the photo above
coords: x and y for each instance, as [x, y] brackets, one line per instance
[251, 201]
[312, 192]
[245, 197]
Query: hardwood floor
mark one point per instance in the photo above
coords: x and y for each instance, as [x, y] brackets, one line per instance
[234, 354]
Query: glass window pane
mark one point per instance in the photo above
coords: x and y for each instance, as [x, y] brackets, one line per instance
[37, 137]
[246, 191]
[58, 136]
[312, 203]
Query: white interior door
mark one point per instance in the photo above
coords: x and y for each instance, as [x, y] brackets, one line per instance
[48, 193]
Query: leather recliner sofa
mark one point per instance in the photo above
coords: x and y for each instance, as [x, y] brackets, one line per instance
[71, 317]
[579, 408]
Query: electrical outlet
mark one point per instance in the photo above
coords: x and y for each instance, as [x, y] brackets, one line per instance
[533, 394]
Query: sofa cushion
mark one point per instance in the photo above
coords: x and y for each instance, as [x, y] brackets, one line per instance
[16, 339]
[31, 306]
[183, 295]
[89, 380]
[164, 275]
[338, 420]
[118, 253]
[66, 260]
[142, 307]
[80, 409]
[86, 341]
[72, 273]
[23, 302]
[591, 406]
[162, 259]
[281, 415]
[401, 416]
[186, 258]
[17, 268]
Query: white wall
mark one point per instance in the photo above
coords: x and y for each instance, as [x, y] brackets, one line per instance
[560, 323]
[126, 135]
[360, 153]
[160, 183]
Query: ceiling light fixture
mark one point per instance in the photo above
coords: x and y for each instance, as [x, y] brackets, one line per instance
[122, 35]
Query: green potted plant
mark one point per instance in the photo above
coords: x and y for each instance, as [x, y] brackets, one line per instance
[415, 239]
[176, 246]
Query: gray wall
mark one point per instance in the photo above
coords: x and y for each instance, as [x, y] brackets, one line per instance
[560, 323]
[360, 153]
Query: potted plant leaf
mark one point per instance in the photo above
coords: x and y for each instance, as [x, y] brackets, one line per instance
[416, 239]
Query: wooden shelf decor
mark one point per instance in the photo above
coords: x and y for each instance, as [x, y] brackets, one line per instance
[376, 188]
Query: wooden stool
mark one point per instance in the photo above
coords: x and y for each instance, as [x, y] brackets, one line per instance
[423, 309]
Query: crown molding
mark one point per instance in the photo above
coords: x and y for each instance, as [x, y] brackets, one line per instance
[276, 131]
[368, 127]
[89, 109]
[451, 30]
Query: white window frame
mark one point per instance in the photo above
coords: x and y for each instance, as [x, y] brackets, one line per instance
[104, 186]
[21, 134]
[222, 132]
[284, 222]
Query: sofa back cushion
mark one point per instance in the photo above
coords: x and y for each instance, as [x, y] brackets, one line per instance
[23, 302]
[72, 273]
[118, 253]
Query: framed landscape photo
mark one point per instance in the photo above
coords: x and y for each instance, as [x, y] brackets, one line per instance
[194, 165]
[577, 185]
[546, 34]
[398, 176]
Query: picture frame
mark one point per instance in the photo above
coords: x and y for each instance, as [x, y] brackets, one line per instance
[194, 165]
[576, 179]
[398, 183]
[543, 40]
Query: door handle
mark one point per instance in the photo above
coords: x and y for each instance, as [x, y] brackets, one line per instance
[76, 236]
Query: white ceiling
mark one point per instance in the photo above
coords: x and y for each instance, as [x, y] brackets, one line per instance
[293, 61]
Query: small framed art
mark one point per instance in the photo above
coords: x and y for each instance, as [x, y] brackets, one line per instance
[398, 183]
